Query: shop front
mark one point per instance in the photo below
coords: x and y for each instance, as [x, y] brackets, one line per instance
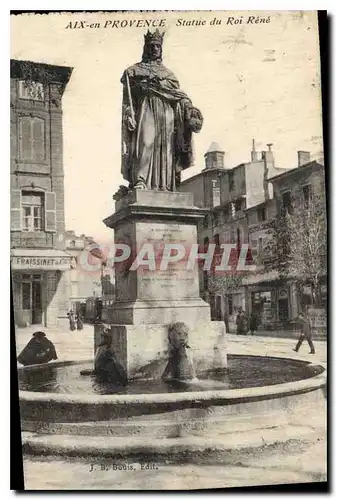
[40, 286]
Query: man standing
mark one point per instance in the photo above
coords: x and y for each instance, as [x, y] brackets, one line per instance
[241, 322]
[306, 333]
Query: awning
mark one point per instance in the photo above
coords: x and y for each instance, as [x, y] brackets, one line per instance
[40, 259]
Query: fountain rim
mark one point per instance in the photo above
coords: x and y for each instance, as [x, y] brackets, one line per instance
[231, 396]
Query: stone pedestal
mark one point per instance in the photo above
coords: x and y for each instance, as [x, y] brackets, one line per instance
[149, 297]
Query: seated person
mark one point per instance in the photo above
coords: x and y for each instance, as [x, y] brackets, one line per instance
[38, 350]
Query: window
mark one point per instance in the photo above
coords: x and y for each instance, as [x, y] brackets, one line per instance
[206, 243]
[238, 238]
[32, 211]
[286, 202]
[31, 90]
[260, 248]
[237, 205]
[307, 194]
[216, 196]
[231, 181]
[52, 282]
[261, 214]
[32, 138]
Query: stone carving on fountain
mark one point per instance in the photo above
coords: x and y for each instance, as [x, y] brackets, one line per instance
[158, 120]
[180, 364]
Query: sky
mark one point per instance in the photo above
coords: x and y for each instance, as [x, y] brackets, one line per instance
[250, 80]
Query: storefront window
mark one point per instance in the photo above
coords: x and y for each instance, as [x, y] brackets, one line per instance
[52, 282]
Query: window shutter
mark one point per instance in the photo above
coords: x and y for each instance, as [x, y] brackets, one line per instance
[25, 138]
[38, 139]
[50, 212]
[16, 210]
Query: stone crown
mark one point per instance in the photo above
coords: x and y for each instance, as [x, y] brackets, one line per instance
[156, 36]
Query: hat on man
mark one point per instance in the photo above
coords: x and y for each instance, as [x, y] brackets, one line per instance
[39, 335]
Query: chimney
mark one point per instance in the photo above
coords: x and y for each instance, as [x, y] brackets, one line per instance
[303, 157]
[214, 157]
[268, 157]
[253, 153]
[269, 164]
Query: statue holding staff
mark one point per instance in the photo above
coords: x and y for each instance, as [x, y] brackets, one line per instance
[158, 120]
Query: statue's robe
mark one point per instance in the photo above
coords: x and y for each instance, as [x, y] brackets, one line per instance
[37, 352]
[161, 145]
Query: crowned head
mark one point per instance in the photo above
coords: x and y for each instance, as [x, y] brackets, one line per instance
[153, 43]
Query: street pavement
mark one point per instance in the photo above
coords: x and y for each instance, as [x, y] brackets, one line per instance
[294, 462]
[78, 345]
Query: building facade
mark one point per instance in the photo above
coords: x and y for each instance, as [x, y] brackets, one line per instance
[85, 272]
[242, 202]
[39, 261]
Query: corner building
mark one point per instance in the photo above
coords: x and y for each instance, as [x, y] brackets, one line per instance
[39, 262]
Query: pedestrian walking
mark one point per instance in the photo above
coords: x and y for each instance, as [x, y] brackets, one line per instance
[241, 322]
[226, 321]
[72, 323]
[79, 322]
[253, 322]
[306, 333]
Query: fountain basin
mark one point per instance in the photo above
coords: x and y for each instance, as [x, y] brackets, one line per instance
[187, 412]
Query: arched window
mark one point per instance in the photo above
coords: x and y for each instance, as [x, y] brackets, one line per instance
[32, 138]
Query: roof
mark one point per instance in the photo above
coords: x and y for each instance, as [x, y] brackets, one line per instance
[40, 72]
[214, 147]
[205, 171]
[290, 171]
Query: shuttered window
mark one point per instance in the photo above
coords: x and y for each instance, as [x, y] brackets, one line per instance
[32, 138]
[32, 211]
[16, 210]
[50, 212]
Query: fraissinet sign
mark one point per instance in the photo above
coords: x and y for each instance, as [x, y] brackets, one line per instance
[45, 263]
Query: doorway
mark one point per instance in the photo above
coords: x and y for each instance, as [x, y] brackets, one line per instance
[283, 310]
[32, 298]
[36, 303]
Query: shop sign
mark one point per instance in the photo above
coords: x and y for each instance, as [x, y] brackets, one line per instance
[54, 263]
[317, 318]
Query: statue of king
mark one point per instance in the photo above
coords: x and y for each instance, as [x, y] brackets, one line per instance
[157, 122]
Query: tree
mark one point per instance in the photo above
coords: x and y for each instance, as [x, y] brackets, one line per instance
[221, 284]
[297, 245]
